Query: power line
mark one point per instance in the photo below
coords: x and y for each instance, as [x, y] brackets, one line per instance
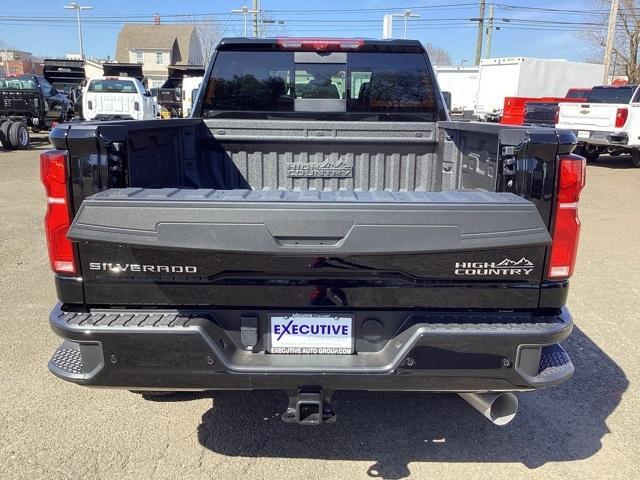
[507, 6]
[367, 28]
[318, 20]
[294, 19]
[121, 17]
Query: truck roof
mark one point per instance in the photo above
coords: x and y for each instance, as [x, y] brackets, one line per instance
[625, 85]
[113, 77]
[321, 44]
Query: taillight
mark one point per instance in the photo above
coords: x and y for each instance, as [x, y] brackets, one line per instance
[566, 224]
[136, 106]
[556, 116]
[320, 44]
[53, 172]
[90, 105]
[621, 117]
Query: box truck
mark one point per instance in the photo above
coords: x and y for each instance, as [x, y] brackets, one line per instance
[462, 83]
[529, 77]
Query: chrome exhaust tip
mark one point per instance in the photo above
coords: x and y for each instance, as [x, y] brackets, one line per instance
[499, 408]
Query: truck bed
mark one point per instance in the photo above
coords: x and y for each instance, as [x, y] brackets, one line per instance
[299, 155]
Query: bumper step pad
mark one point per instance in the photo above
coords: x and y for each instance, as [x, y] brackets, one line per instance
[544, 365]
[553, 360]
[68, 358]
[77, 362]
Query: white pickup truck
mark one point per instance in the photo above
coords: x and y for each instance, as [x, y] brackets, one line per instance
[118, 98]
[609, 121]
[190, 87]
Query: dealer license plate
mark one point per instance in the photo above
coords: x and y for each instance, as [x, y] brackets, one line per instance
[584, 134]
[312, 334]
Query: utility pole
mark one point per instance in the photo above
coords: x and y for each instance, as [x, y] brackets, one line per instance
[487, 51]
[256, 18]
[387, 26]
[245, 11]
[407, 14]
[75, 6]
[480, 20]
[611, 36]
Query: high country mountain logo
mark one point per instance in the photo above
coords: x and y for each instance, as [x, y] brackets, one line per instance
[325, 169]
[523, 262]
[505, 267]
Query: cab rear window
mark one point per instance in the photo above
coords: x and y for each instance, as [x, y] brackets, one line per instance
[611, 94]
[112, 86]
[367, 83]
[578, 93]
[251, 81]
[390, 83]
[17, 83]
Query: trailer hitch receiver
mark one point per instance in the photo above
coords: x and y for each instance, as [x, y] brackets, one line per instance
[309, 406]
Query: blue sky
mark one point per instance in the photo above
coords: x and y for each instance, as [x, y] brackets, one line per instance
[446, 25]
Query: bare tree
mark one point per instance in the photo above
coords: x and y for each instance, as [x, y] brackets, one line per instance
[269, 27]
[208, 32]
[627, 39]
[3, 62]
[437, 55]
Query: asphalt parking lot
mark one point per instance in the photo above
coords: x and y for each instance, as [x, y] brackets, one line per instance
[586, 428]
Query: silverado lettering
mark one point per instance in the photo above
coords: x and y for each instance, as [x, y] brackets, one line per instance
[134, 267]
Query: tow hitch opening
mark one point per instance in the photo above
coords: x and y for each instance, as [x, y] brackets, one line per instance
[309, 406]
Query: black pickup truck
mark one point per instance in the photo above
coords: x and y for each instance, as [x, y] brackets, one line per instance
[34, 101]
[321, 226]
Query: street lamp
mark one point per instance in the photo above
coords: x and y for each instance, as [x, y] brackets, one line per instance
[407, 14]
[245, 11]
[77, 7]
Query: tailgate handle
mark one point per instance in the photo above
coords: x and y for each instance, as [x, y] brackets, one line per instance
[316, 231]
[308, 241]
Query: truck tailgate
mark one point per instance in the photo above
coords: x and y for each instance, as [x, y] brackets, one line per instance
[19, 102]
[468, 249]
[114, 103]
[588, 115]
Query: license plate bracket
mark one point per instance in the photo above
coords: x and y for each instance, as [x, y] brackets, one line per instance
[584, 134]
[311, 333]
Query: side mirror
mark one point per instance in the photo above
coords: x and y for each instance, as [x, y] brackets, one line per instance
[447, 99]
[147, 93]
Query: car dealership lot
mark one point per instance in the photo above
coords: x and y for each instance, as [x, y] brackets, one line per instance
[588, 426]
